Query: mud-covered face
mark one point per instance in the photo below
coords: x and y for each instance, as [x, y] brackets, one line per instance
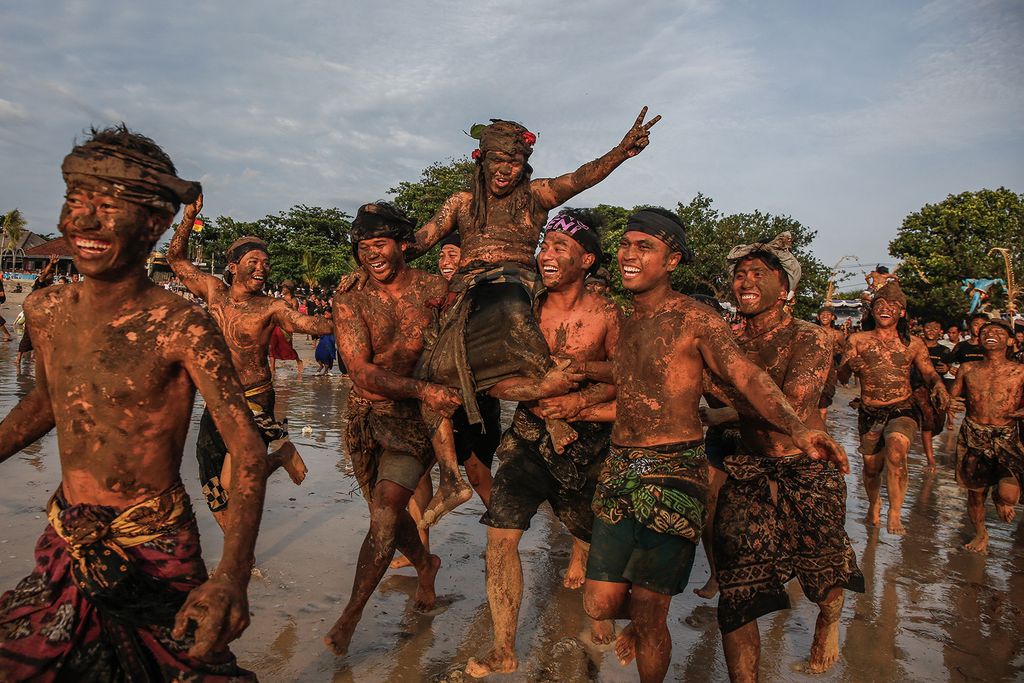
[994, 337]
[932, 331]
[976, 326]
[382, 257]
[562, 260]
[502, 171]
[644, 260]
[886, 313]
[108, 236]
[448, 260]
[757, 287]
[826, 318]
[251, 271]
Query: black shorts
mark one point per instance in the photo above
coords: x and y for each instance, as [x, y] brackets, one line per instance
[525, 480]
[629, 552]
[480, 440]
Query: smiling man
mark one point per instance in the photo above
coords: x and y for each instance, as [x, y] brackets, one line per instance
[247, 318]
[888, 418]
[989, 454]
[780, 513]
[489, 339]
[651, 494]
[118, 362]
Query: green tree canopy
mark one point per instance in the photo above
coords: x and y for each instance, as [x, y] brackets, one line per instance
[943, 243]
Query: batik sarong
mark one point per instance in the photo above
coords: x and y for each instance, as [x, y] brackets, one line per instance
[386, 440]
[664, 487]
[101, 602]
[877, 423]
[211, 450]
[760, 543]
[987, 453]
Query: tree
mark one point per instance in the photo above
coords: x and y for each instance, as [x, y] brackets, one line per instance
[14, 226]
[941, 244]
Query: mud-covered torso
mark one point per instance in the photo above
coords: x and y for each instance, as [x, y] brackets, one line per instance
[579, 333]
[511, 233]
[797, 355]
[885, 377]
[992, 390]
[247, 326]
[120, 404]
[658, 370]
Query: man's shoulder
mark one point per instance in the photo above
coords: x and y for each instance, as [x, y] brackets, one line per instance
[43, 303]
[808, 331]
[422, 278]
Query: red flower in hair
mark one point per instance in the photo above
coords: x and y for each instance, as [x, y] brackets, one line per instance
[529, 138]
[476, 154]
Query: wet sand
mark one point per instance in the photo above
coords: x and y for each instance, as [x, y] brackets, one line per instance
[932, 611]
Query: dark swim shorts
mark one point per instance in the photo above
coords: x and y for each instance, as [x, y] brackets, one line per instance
[480, 440]
[630, 552]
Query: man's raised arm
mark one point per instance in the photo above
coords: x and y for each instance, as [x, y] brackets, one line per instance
[197, 282]
[554, 192]
[434, 230]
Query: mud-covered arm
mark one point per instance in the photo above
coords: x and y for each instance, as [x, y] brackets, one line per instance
[30, 419]
[602, 412]
[552, 192]
[196, 281]
[290, 320]
[924, 365]
[956, 393]
[434, 230]
[807, 373]
[570, 406]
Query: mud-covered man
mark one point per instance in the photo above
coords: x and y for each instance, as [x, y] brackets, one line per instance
[379, 332]
[932, 421]
[489, 339]
[989, 454]
[827, 320]
[780, 513]
[650, 497]
[247, 318]
[118, 360]
[583, 326]
[888, 417]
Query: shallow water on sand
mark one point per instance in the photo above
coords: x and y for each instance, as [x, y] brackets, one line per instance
[932, 611]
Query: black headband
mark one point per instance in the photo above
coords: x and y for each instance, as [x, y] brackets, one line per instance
[239, 249]
[664, 228]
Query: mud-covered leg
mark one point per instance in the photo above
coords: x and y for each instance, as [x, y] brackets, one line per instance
[976, 511]
[825, 648]
[505, 596]
[452, 489]
[873, 465]
[743, 653]
[897, 446]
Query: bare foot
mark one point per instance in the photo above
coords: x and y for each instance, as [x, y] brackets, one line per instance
[425, 595]
[400, 562]
[287, 457]
[895, 526]
[602, 632]
[338, 638]
[625, 646]
[493, 662]
[979, 544]
[1005, 512]
[874, 516]
[709, 589]
[825, 648]
[561, 434]
[443, 502]
[577, 570]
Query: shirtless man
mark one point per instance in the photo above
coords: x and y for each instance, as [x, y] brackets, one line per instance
[764, 537]
[988, 450]
[489, 340]
[888, 416]
[379, 332]
[281, 347]
[650, 496]
[247, 318]
[932, 421]
[583, 326]
[826, 318]
[118, 361]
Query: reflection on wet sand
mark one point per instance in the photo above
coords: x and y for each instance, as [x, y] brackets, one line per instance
[931, 612]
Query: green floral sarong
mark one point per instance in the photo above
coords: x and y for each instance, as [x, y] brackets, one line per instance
[662, 487]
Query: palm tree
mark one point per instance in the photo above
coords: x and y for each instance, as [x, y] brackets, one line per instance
[13, 228]
[312, 268]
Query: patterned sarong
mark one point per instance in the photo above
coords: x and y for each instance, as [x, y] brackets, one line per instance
[375, 428]
[760, 544]
[987, 453]
[662, 487]
[101, 603]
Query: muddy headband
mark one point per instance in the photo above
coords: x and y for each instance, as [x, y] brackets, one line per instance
[586, 236]
[243, 246]
[780, 248]
[667, 230]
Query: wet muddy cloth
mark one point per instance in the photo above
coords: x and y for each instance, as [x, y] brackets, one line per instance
[101, 602]
[987, 453]
[664, 487]
[211, 449]
[281, 345]
[481, 439]
[531, 472]
[761, 544]
[875, 424]
[386, 440]
[488, 333]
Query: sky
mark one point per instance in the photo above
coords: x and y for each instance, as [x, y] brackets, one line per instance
[846, 116]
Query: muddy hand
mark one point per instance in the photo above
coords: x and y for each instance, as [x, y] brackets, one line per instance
[821, 446]
[940, 396]
[442, 400]
[192, 210]
[638, 136]
[220, 610]
[354, 280]
[565, 407]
